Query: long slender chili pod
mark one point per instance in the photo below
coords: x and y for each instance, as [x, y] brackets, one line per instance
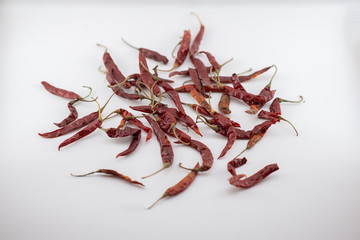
[201, 70]
[196, 43]
[79, 123]
[72, 116]
[149, 53]
[167, 154]
[146, 75]
[180, 186]
[60, 92]
[206, 156]
[112, 173]
[182, 52]
[248, 182]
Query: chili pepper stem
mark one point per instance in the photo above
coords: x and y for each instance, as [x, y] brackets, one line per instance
[172, 53]
[163, 196]
[281, 118]
[241, 152]
[175, 134]
[100, 45]
[102, 71]
[269, 84]
[221, 65]
[86, 174]
[290, 101]
[166, 165]
[130, 44]
[249, 70]
[169, 70]
[191, 169]
[197, 17]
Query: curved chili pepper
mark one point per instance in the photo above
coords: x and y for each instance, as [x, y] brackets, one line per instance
[149, 53]
[60, 92]
[170, 130]
[275, 105]
[167, 154]
[79, 123]
[201, 70]
[172, 94]
[235, 163]
[145, 74]
[197, 82]
[196, 43]
[83, 133]
[133, 145]
[69, 119]
[237, 180]
[180, 186]
[236, 82]
[215, 65]
[130, 118]
[206, 156]
[110, 172]
[224, 104]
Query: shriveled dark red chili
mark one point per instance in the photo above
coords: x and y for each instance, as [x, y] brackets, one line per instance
[275, 117]
[146, 77]
[275, 105]
[197, 82]
[129, 117]
[72, 116]
[112, 173]
[60, 92]
[206, 156]
[235, 163]
[196, 43]
[201, 70]
[224, 104]
[248, 182]
[180, 186]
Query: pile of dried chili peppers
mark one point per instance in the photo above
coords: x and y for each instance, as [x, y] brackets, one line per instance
[147, 87]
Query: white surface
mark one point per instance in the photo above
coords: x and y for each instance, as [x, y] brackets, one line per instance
[314, 195]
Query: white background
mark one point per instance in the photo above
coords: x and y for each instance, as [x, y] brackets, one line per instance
[314, 195]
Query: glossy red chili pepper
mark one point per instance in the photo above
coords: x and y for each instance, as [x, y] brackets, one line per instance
[196, 43]
[81, 134]
[197, 82]
[60, 92]
[274, 117]
[146, 76]
[79, 123]
[180, 186]
[237, 180]
[206, 156]
[224, 104]
[149, 53]
[129, 117]
[167, 154]
[201, 70]
[69, 119]
[112, 173]
[235, 163]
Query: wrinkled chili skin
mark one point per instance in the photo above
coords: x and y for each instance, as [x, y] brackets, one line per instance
[196, 43]
[196, 80]
[166, 127]
[81, 134]
[79, 123]
[133, 145]
[154, 55]
[167, 154]
[202, 101]
[224, 104]
[129, 118]
[60, 92]
[184, 49]
[235, 163]
[216, 66]
[183, 184]
[146, 76]
[201, 70]
[275, 107]
[236, 82]
[173, 94]
[262, 127]
[206, 155]
[254, 179]
[268, 115]
[255, 106]
[69, 119]
[119, 133]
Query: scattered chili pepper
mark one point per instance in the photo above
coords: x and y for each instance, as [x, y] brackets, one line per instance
[60, 92]
[224, 104]
[197, 82]
[172, 94]
[275, 117]
[149, 53]
[110, 172]
[129, 117]
[202, 101]
[235, 163]
[72, 116]
[236, 82]
[145, 74]
[180, 186]
[182, 52]
[201, 70]
[275, 105]
[215, 65]
[237, 180]
[196, 43]
[206, 156]
[167, 154]
[79, 123]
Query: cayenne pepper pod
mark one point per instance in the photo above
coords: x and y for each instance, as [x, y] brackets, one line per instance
[72, 116]
[112, 173]
[196, 43]
[248, 182]
[275, 105]
[235, 163]
[60, 92]
[149, 53]
[275, 117]
[180, 186]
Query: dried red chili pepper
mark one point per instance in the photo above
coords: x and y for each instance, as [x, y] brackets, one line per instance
[167, 154]
[224, 104]
[171, 130]
[197, 82]
[275, 105]
[129, 117]
[72, 116]
[182, 52]
[146, 76]
[206, 156]
[196, 43]
[275, 117]
[60, 92]
[215, 65]
[149, 53]
[180, 186]
[201, 70]
[202, 101]
[236, 82]
[235, 163]
[112, 173]
[79, 123]
[172, 94]
[237, 180]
